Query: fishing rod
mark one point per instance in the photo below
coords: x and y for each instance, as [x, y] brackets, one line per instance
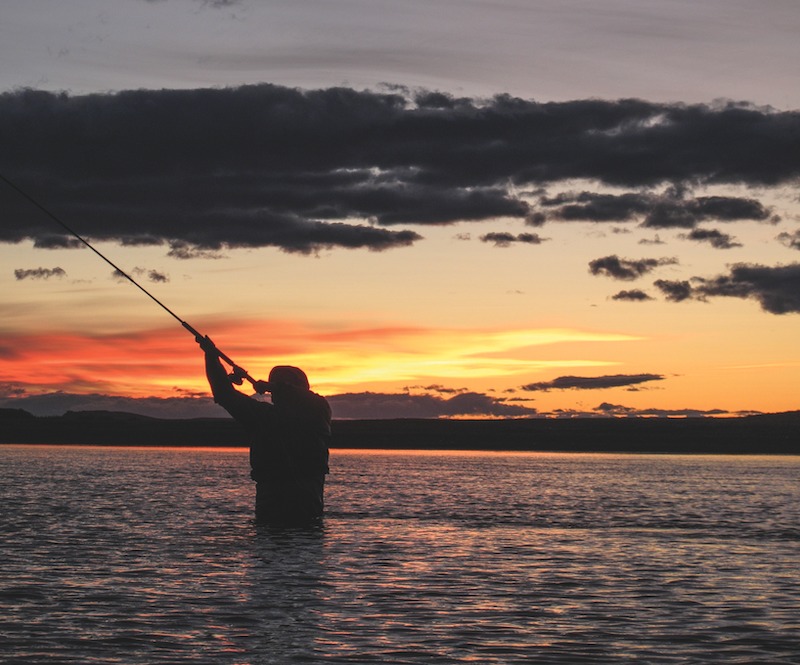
[238, 374]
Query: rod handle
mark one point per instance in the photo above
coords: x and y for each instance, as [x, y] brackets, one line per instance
[238, 371]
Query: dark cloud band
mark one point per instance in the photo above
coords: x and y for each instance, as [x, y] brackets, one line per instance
[301, 170]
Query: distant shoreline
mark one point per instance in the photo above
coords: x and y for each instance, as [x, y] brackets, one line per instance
[763, 434]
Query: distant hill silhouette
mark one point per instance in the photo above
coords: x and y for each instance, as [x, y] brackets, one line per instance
[764, 434]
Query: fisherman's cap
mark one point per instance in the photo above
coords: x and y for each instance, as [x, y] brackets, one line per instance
[288, 375]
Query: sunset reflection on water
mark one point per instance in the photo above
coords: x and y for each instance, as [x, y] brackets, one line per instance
[151, 555]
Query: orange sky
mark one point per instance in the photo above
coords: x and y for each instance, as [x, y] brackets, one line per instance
[93, 334]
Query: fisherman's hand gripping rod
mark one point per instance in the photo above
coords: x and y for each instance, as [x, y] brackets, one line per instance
[238, 374]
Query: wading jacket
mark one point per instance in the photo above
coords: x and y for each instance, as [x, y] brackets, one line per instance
[288, 441]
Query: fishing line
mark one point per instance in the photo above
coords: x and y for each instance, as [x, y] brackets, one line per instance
[238, 372]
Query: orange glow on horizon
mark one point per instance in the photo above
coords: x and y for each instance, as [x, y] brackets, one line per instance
[165, 362]
[159, 362]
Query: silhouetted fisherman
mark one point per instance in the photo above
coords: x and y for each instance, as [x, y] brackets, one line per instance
[288, 439]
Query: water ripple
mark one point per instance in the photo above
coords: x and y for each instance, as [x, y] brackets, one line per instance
[151, 556]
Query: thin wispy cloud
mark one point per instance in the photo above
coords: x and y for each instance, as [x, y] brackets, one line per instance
[151, 275]
[505, 239]
[620, 410]
[713, 237]
[39, 273]
[790, 240]
[626, 269]
[632, 295]
[593, 382]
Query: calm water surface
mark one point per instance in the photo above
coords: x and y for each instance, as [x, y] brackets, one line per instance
[122, 555]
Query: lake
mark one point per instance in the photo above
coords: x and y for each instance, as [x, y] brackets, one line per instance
[150, 555]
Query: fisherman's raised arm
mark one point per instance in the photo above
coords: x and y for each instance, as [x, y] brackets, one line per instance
[236, 403]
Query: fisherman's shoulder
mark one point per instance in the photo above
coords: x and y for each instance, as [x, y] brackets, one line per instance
[320, 401]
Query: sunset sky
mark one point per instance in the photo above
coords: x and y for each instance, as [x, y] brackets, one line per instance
[449, 208]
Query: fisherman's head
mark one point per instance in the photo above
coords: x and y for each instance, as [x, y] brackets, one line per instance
[286, 375]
